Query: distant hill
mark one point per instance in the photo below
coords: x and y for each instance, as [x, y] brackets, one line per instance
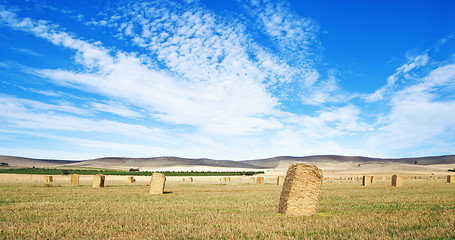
[160, 162]
[202, 164]
[274, 162]
[30, 162]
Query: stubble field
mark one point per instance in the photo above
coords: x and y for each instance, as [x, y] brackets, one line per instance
[421, 209]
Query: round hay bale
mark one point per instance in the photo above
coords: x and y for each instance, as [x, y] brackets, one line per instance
[366, 180]
[397, 181]
[260, 180]
[280, 180]
[75, 180]
[157, 183]
[300, 192]
[98, 181]
[131, 179]
[48, 179]
[450, 179]
[374, 179]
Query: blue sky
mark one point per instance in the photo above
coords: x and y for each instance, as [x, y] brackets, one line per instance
[226, 79]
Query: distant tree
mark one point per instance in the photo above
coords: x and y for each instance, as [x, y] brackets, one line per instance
[134, 169]
[65, 172]
[4, 164]
[452, 170]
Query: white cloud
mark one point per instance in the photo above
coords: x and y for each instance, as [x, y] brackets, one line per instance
[420, 118]
[27, 51]
[116, 108]
[28, 114]
[226, 95]
[37, 105]
[291, 31]
[335, 122]
[402, 73]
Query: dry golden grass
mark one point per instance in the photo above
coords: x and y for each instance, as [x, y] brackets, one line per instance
[420, 209]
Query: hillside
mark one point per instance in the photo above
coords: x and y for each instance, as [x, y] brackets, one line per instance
[163, 163]
[30, 162]
[275, 165]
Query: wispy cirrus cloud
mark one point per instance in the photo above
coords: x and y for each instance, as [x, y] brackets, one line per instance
[116, 108]
[421, 116]
[33, 115]
[402, 73]
[27, 51]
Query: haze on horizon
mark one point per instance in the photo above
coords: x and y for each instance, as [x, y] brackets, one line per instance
[226, 79]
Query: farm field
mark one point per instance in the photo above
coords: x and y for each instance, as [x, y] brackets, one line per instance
[421, 209]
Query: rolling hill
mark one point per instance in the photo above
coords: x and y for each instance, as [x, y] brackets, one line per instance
[276, 165]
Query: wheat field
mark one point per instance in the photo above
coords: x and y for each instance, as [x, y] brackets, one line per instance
[421, 209]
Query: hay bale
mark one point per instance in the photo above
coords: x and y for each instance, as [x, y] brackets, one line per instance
[157, 183]
[75, 180]
[48, 179]
[98, 181]
[260, 180]
[299, 195]
[280, 180]
[450, 179]
[366, 180]
[374, 179]
[131, 179]
[397, 181]
[191, 179]
[383, 178]
[229, 179]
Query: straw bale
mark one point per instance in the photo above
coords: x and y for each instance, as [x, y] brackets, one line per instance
[131, 179]
[374, 179]
[299, 195]
[48, 179]
[280, 180]
[229, 179]
[383, 178]
[366, 180]
[260, 180]
[450, 179]
[75, 180]
[397, 181]
[98, 181]
[191, 179]
[157, 183]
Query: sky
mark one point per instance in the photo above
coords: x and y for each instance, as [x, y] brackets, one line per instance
[233, 79]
